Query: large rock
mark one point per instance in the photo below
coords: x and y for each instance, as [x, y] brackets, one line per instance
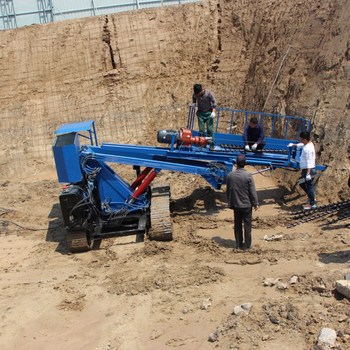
[343, 287]
[327, 336]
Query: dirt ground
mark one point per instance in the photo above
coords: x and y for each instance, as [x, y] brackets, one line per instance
[162, 295]
[133, 74]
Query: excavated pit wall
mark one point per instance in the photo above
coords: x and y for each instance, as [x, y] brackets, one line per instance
[133, 73]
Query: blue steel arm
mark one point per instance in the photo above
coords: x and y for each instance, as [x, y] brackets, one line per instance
[213, 166]
[160, 158]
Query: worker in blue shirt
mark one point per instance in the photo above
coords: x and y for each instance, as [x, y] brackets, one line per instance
[253, 136]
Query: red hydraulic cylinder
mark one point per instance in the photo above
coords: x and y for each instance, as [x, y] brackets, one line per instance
[143, 186]
[140, 178]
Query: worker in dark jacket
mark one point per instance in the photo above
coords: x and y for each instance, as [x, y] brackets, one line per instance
[253, 136]
[206, 104]
[242, 197]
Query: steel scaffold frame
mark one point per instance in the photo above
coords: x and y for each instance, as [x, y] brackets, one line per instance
[47, 11]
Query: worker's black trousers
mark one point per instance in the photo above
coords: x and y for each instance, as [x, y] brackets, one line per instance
[243, 217]
[308, 186]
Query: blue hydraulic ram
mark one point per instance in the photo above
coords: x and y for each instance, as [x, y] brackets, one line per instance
[96, 202]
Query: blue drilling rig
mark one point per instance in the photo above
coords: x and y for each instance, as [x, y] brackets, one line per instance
[96, 202]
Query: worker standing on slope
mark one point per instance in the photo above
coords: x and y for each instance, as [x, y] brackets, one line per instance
[206, 108]
[307, 166]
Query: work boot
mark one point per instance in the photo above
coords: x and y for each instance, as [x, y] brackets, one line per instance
[309, 207]
[307, 201]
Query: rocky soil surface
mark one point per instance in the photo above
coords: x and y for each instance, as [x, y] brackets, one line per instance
[196, 292]
[133, 74]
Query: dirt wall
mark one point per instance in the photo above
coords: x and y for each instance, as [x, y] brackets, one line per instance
[133, 72]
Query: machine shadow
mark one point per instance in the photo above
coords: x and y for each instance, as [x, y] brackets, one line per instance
[55, 231]
[278, 196]
[225, 243]
[275, 194]
[339, 257]
[286, 196]
[212, 201]
[335, 227]
[207, 201]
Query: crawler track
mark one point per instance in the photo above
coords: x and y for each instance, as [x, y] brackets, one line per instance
[340, 208]
[161, 224]
[229, 148]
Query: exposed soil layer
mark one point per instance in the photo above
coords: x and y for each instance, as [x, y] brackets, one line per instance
[133, 74]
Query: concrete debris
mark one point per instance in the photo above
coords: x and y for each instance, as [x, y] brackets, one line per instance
[294, 280]
[205, 304]
[269, 282]
[320, 288]
[327, 336]
[242, 309]
[281, 285]
[343, 287]
[247, 306]
[273, 319]
[213, 337]
[273, 238]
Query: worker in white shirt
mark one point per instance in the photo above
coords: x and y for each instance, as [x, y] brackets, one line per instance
[307, 166]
